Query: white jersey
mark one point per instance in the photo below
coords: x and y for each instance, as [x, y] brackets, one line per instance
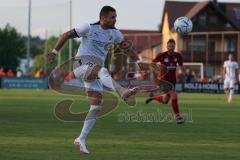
[95, 40]
[231, 67]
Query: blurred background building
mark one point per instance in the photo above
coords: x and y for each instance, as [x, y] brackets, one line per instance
[216, 32]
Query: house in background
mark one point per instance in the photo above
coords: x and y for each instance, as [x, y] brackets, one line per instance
[143, 42]
[216, 32]
[146, 43]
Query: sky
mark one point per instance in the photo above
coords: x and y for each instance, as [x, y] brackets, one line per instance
[54, 16]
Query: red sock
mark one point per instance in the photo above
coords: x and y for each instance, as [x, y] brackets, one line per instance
[175, 106]
[158, 98]
[69, 76]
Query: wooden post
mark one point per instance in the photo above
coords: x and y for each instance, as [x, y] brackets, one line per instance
[192, 52]
[206, 53]
[222, 48]
[238, 49]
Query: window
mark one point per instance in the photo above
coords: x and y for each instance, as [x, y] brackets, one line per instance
[237, 12]
[202, 20]
[230, 45]
[213, 19]
[198, 45]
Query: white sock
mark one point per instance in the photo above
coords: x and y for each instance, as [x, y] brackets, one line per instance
[88, 124]
[107, 80]
[90, 121]
[231, 92]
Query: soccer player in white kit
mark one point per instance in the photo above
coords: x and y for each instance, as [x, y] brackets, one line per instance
[90, 61]
[230, 75]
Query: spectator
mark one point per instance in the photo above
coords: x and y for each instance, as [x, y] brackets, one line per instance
[204, 79]
[10, 73]
[19, 73]
[2, 73]
[180, 76]
[193, 76]
[217, 79]
[189, 76]
[40, 73]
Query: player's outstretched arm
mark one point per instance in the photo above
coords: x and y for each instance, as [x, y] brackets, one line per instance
[61, 41]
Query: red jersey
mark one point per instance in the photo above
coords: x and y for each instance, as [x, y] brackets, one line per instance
[170, 61]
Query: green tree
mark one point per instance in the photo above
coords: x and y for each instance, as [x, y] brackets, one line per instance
[65, 50]
[12, 47]
[41, 62]
[37, 45]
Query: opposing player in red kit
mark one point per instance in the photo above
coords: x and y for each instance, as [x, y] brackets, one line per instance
[170, 59]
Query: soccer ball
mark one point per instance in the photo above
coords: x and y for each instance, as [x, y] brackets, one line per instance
[183, 25]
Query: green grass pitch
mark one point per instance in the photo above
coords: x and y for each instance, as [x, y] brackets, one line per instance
[30, 131]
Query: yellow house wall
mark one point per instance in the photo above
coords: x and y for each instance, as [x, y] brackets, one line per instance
[167, 34]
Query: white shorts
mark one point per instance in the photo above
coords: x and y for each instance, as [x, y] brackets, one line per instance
[228, 83]
[84, 65]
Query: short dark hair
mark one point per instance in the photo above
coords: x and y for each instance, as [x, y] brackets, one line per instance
[105, 10]
[171, 41]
